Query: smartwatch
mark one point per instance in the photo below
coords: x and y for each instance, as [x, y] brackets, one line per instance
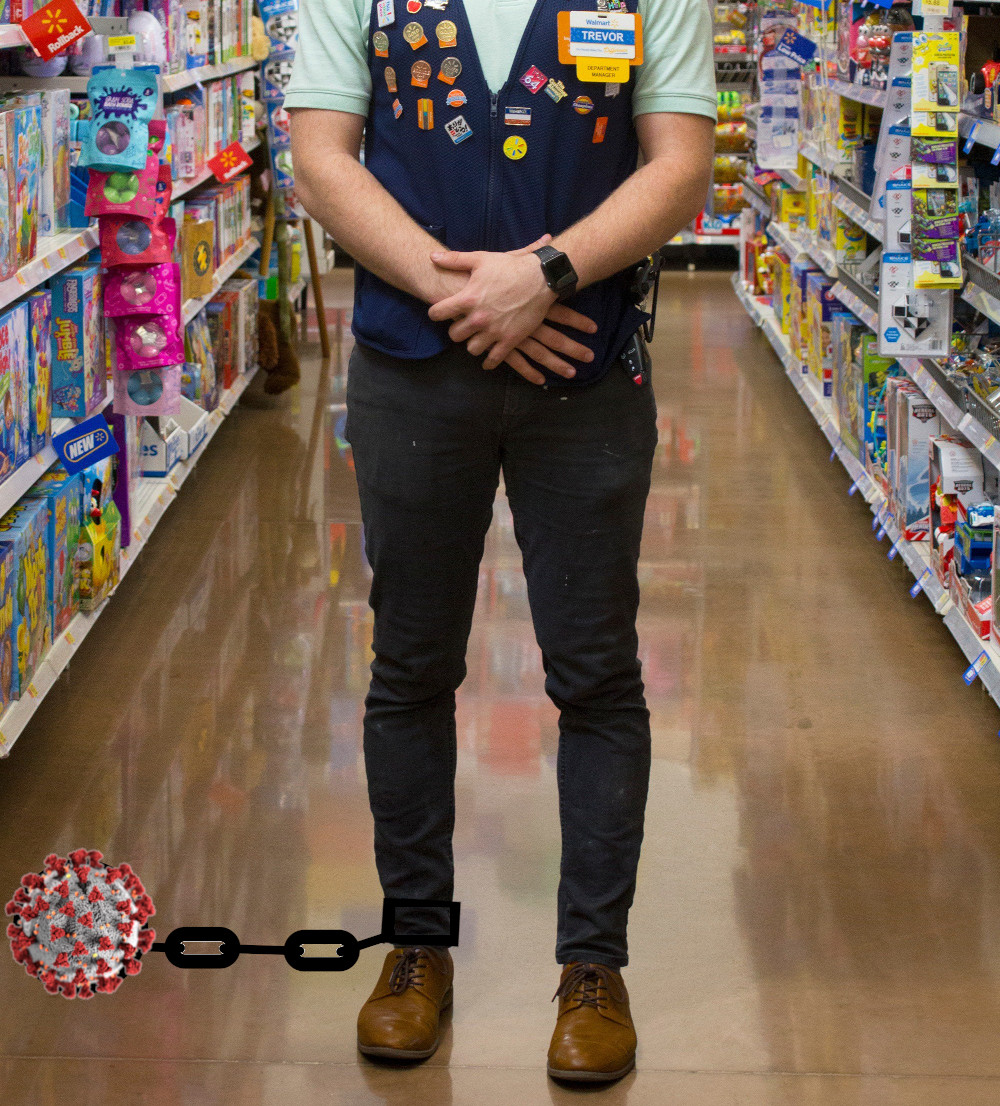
[560, 275]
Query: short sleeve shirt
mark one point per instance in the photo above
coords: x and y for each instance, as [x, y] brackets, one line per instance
[331, 65]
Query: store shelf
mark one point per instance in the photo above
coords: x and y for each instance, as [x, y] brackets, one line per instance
[174, 82]
[756, 196]
[811, 152]
[76, 85]
[11, 35]
[222, 274]
[915, 555]
[982, 288]
[154, 497]
[792, 179]
[861, 300]
[822, 257]
[877, 97]
[785, 237]
[983, 131]
[184, 186]
[54, 253]
[846, 202]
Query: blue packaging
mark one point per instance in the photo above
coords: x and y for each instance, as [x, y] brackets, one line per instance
[24, 532]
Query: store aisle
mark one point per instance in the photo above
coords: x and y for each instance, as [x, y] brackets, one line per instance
[818, 917]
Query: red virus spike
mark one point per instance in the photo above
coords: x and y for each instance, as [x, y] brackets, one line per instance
[32, 880]
[146, 939]
[62, 961]
[68, 990]
[95, 895]
[132, 967]
[84, 991]
[78, 856]
[113, 874]
[79, 977]
[124, 907]
[50, 981]
[105, 944]
[69, 910]
[11, 908]
[79, 949]
[95, 857]
[51, 860]
[82, 873]
[56, 932]
[133, 884]
[31, 966]
[102, 966]
[62, 889]
[21, 896]
[13, 930]
[124, 928]
[128, 952]
[86, 920]
[126, 869]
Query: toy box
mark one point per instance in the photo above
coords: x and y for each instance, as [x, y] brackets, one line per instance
[198, 348]
[955, 480]
[40, 365]
[8, 640]
[819, 308]
[917, 421]
[53, 199]
[850, 243]
[875, 369]
[798, 323]
[971, 595]
[847, 334]
[127, 463]
[79, 379]
[14, 377]
[61, 494]
[98, 557]
[791, 207]
[8, 201]
[159, 454]
[781, 279]
[24, 531]
[24, 144]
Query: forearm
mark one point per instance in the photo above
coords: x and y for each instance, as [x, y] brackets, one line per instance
[647, 209]
[364, 219]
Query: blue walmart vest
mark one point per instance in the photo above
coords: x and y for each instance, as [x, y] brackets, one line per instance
[468, 193]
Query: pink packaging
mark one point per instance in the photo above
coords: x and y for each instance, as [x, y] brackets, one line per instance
[152, 290]
[164, 190]
[148, 391]
[126, 192]
[148, 341]
[126, 240]
[157, 135]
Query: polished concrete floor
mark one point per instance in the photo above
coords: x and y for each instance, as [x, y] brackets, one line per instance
[818, 915]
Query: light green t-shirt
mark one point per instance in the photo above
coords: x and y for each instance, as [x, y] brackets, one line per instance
[331, 65]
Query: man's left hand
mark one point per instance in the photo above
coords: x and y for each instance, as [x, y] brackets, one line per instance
[505, 301]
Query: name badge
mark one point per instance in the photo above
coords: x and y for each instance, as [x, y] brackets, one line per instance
[602, 46]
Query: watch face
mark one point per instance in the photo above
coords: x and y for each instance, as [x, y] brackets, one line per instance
[559, 269]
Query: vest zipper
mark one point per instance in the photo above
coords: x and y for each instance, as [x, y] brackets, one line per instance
[491, 171]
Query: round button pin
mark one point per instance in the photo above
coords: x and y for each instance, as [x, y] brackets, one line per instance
[413, 6]
[420, 74]
[583, 105]
[515, 147]
[380, 40]
[455, 98]
[451, 69]
[447, 34]
[413, 33]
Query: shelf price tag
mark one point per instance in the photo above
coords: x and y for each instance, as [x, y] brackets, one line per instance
[228, 162]
[853, 488]
[894, 548]
[975, 668]
[53, 28]
[918, 587]
[971, 140]
[881, 534]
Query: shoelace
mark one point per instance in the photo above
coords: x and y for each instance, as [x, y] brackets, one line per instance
[407, 971]
[589, 985]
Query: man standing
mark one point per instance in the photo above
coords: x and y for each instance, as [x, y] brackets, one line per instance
[496, 221]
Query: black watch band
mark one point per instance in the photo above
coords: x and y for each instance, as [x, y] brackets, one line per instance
[559, 273]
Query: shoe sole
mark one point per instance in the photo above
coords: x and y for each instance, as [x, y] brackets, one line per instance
[383, 1053]
[591, 1076]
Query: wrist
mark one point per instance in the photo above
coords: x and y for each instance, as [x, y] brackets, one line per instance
[558, 271]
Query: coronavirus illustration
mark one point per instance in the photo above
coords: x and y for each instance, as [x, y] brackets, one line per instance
[80, 926]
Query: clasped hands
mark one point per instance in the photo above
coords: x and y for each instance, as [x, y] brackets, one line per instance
[501, 307]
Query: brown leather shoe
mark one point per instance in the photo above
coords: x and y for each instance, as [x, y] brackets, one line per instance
[400, 1020]
[594, 1039]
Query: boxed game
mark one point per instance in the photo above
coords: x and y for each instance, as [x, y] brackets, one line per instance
[79, 378]
[8, 641]
[126, 431]
[819, 308]
[53, 210]
[23, 117]
[15, 416]
[8, 201]
[846, 383]
[917, 421]
[98, 556]
[797, 329]
[61, 495]
[40, 313]
[24, 531]
[955, 480]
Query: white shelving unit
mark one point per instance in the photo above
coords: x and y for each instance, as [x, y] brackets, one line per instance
[174, 82]
[54, 253]
[877, 97]
[183, 187]
[155, 496]
[222, 274]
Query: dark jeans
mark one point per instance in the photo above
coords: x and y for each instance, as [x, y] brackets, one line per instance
[430, 439]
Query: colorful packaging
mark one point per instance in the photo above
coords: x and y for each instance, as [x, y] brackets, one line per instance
[24, 141]
[54, 200]
[198, 257]
[61, 495]
[98, 557]
[8, 640]
[148, 341]
[125, 191]
[122, 103]
[847, 397]
[8, 199]
[800, 271]
[15, 374]
[127, 471]
[142, 291]
[40, 312]
[126, 240]
[917, 421]
[79, 375]
[819, 307]
[24, 532]
[148, 391]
